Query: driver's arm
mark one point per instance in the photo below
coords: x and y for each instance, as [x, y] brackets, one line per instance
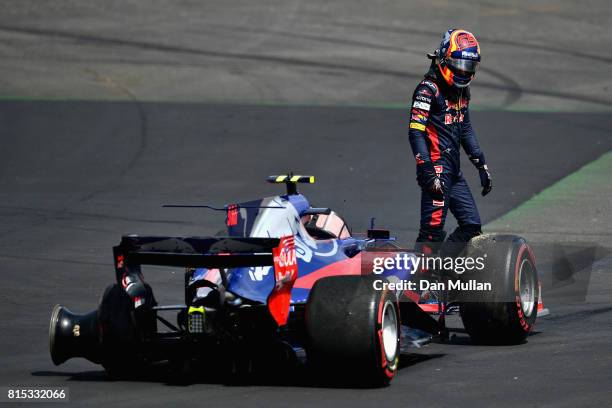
[419, 118]
[472, 148]
[470, 142]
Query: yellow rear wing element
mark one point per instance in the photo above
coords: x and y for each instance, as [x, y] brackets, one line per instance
[291, 180]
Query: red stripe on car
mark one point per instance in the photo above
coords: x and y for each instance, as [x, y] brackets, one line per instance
[350, 266]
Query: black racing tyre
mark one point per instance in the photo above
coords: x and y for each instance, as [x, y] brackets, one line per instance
[507, 313]
[118, 334]
[353, 331]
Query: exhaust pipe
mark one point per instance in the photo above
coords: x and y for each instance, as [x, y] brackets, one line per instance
[72, 335]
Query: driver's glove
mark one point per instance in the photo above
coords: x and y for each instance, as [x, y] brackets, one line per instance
[483, 171]
[429, 180]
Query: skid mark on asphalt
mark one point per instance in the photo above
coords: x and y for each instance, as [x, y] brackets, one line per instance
[551, 49]
[514, 90]
[142, 115]
[285, 60]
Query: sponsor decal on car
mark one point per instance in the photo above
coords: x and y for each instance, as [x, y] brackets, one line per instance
[285, 274]
[232, 215]
[120, 260]
[138, 301]
[257, 273]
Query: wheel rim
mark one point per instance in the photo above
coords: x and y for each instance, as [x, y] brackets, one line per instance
[527, 289]
[389, 331]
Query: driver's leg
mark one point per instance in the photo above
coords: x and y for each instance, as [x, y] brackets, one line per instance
[463, 207]
[431, 230]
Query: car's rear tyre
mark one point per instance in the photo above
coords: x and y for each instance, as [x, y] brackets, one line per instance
[118, 334]
[507, 313]
[353, 331]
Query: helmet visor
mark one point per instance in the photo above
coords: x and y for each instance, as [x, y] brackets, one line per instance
[462, 65]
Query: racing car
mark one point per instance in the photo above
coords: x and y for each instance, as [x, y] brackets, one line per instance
[286, 280]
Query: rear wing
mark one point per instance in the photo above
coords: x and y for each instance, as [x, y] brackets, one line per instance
[194, 252]
[207, 252]
[190, 252]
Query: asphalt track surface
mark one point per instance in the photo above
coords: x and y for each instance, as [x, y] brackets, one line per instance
[74, 176]
[110, 109]
[547, 55]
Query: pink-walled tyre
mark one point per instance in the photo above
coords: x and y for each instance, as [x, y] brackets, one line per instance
[353, 331]
[507, 313]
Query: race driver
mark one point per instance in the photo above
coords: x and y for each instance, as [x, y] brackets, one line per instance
[439, 126]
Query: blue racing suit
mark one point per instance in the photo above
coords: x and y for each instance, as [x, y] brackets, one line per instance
[439, 126]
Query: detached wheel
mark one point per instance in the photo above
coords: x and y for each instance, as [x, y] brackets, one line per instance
[507, 313]
[353, 330]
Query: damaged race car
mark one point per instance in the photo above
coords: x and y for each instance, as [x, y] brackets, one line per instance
[288, 281]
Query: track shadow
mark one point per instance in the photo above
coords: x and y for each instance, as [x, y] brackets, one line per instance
[459, 337]
[98, 375]
[277, 375]
[411, 359]
[157, 373]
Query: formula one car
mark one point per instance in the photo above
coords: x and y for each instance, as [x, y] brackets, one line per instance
[288, 280]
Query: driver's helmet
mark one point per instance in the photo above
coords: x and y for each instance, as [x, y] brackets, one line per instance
[458, 57]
